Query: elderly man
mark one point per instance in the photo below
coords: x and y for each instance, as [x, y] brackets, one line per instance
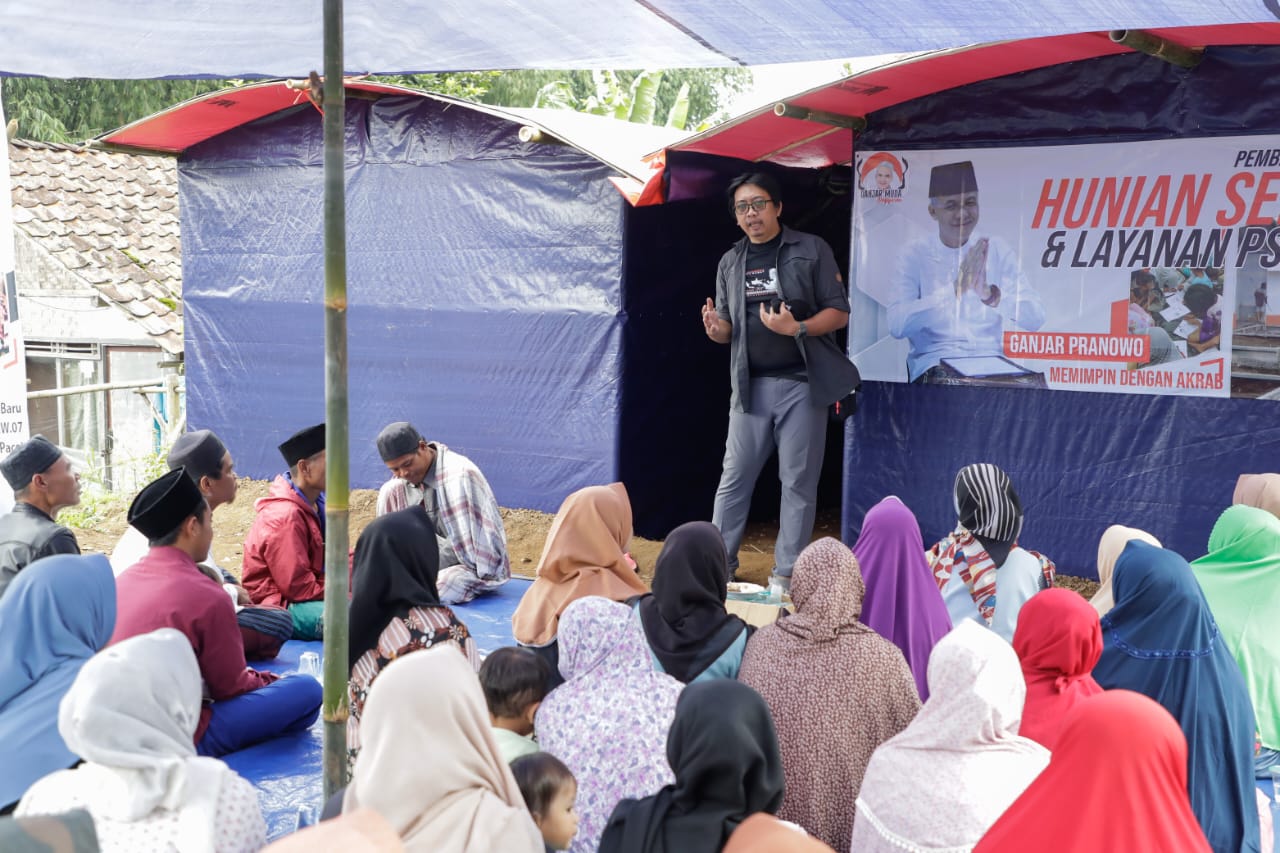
[953, 294]
[264, 628]
[460, 504]
[166, 589]
[284, 551]
[43, 484]
[779, 302]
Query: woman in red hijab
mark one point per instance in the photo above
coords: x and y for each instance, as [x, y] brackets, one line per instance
[1058, 640]
[1121, 760]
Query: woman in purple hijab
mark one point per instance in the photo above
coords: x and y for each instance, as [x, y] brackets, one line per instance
[902, 603]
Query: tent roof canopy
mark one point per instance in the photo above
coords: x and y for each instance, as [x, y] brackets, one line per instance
[620, 145]
[761, 135]
[242, 39]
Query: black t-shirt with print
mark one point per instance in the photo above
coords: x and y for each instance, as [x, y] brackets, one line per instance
[768, 353]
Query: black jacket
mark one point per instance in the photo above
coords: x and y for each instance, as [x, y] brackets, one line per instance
[26, 535]
[807, 273]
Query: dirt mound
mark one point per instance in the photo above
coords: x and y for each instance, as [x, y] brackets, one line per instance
[526, 533]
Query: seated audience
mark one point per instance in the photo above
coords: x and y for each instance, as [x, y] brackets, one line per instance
[585, 554]
[1260, 490]
[1058, 643]
[466, 523]
[264, 628]
[1161, 640]
[394, 607]
[430, 765]
[1205, 307]
[724, 752]
[609, 720]
[902, 602]
[941, 783]
[1116, 782]
[1240, 577]
[165, 589]
[71, 832]
[982, 553]
[43, 484]
[131, 715]
[514, 680]
[550, 792]
[691, 636]
[1113, 540]
[836, 689]
[284, 550]
[55, 615]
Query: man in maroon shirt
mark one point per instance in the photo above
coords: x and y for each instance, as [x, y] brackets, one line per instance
[167, 590]
[284, 551]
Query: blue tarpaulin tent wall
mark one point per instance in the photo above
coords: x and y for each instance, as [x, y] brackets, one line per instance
[1080, 461]
[484, 287]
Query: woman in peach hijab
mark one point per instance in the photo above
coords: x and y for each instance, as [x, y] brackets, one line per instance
[436, 775]
[1260, 490]
[585, 554]
[1113, 540]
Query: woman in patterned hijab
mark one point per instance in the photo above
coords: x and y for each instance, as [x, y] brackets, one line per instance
[984, 545]
[836, 690]
[609, 721]
[943, 782]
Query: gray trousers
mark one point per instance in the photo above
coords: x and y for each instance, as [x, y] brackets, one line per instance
[782, 416]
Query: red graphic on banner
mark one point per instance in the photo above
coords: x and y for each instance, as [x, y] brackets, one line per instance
[1118, 346]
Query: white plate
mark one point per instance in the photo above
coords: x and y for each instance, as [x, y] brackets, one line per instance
[744, 588]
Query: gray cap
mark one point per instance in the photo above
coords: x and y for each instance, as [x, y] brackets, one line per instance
[200, 452]
[397, 439]
[28, 459]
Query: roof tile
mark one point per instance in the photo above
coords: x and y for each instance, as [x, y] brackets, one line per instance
[112, 219]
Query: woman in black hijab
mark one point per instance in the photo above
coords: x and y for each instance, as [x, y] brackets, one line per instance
[395, 608]
[723, 750]
[690, 634]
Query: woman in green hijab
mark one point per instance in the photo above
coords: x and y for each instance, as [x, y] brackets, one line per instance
[1240, 577]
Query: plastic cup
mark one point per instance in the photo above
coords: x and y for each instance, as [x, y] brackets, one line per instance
[309, 664]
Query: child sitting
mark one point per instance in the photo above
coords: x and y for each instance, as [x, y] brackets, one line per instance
[549, 791]
[514, 680]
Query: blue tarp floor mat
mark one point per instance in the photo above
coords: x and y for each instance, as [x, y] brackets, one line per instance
[288, 772]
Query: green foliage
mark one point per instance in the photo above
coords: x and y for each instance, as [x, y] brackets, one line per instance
[469, 85]
[678, 117]
[75, 111]
[644, 97]
[704, 92]
[52, 110]
[96, 506]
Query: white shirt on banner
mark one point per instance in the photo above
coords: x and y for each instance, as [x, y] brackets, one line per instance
[926, 311]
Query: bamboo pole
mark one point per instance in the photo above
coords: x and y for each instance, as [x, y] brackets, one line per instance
[337, 492]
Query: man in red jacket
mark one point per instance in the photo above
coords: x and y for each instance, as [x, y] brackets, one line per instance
[284, 551]
[165, 589]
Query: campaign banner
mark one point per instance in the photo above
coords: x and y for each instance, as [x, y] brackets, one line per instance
[1136, 267]
[13, 368]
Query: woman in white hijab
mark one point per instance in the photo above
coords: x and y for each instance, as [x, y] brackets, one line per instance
[942, 782]
[1113, 540]
[430, 765]
[131, 714]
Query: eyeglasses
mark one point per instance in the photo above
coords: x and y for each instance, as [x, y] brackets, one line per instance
[757, 205]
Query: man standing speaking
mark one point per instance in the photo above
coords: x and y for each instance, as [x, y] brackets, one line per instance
[779, 300]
